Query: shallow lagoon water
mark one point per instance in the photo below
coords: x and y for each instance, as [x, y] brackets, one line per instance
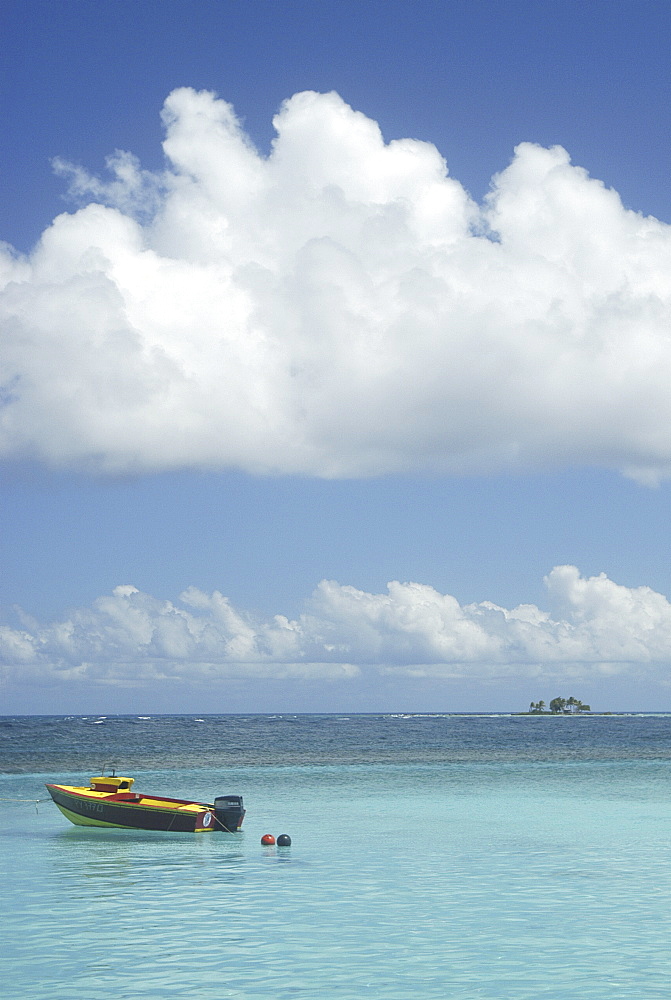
[501, 858]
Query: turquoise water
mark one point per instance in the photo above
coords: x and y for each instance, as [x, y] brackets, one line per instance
[431, 857]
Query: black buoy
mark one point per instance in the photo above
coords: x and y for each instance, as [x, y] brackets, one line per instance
[284, 840]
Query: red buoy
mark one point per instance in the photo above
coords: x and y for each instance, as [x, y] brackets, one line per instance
[267, 840]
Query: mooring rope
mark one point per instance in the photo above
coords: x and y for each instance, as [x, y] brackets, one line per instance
[224, 828]
[2, 799]
[26, 801]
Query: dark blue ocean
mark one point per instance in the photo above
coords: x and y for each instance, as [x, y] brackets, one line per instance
[433, 856]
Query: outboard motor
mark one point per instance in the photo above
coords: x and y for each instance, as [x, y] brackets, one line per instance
[228, 812]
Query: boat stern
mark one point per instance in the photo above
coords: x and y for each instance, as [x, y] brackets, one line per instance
[229, 812]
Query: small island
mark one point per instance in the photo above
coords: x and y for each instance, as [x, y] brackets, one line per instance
[558, 706]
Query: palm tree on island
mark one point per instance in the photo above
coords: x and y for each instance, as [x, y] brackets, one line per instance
[559, 706]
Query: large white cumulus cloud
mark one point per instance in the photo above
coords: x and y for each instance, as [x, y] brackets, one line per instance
[340, 307]
[596, 628]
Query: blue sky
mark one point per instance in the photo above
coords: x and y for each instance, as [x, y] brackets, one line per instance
[365, 342]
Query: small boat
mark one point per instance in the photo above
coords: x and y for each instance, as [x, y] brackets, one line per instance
[110, 801]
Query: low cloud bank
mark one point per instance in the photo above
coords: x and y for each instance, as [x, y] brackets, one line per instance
[340, 307]
[596, 629]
